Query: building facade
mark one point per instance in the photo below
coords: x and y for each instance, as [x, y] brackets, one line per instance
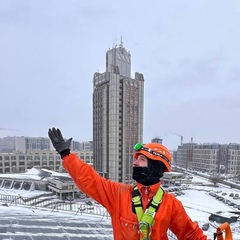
[25, 144]
[157, 140]
[209, 157]
[19, 162]
[117, 115]
[233, 159]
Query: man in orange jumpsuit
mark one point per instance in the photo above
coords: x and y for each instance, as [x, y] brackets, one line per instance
[125, 203]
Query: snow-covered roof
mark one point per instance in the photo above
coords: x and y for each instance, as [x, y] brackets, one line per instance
[32, 174]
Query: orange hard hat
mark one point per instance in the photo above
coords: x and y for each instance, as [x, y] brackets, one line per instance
[154, 151]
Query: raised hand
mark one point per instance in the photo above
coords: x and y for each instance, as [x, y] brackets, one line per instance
[58, 141]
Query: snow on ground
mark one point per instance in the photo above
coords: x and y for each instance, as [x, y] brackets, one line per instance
[16, 222]
[199, 204]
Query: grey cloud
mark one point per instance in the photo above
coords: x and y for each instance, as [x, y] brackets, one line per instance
[234, 75]
[51, 49]
[206, 120]
[192, 73]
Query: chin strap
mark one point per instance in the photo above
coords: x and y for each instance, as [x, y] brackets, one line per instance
[146, 219]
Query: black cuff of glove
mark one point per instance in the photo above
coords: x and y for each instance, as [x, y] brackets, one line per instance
[65, 153]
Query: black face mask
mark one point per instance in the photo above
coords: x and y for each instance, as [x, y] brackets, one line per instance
[149, 175]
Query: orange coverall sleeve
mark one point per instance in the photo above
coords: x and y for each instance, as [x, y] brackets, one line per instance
[89, 181]
[182, 226]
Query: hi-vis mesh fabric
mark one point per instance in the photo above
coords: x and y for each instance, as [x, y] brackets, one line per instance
[146, 219]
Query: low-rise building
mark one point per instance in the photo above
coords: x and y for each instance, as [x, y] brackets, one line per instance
[19, 162]
[35, 179]
[172, 179]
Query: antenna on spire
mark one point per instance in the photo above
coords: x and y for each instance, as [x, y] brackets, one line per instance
[121, 42]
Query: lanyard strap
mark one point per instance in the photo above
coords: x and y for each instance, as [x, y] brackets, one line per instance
[146, 219]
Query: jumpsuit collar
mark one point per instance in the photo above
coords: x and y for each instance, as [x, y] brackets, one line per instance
[152, 188]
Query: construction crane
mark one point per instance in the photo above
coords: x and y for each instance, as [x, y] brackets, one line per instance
[9, 129]
[181, 137]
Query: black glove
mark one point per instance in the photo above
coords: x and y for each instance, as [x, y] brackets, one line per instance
[61, 146]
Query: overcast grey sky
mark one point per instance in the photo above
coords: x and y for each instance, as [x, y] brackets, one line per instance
[187, 50]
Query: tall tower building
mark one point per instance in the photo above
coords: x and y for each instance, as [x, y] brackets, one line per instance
[117, 115]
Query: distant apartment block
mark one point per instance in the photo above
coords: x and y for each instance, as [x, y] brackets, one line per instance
[82, 146]
[26, 144]
[19, 162]
[209, 157]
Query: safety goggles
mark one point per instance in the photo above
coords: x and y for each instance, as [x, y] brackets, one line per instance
[139, 147]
